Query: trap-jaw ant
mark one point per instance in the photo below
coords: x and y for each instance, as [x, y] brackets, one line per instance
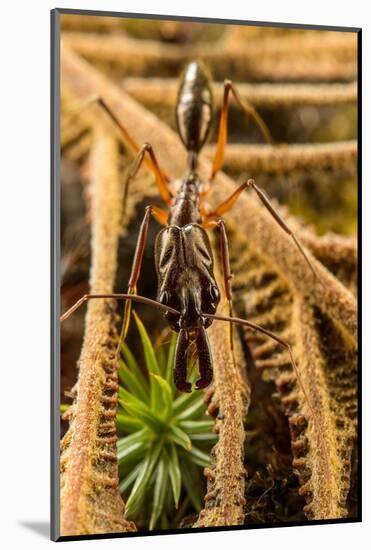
[187, 289]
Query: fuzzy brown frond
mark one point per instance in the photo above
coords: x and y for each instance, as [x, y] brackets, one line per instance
[288, 158]
[313, 55]
[321, 443]
[228, 401]
[90, 498]
[163, 92]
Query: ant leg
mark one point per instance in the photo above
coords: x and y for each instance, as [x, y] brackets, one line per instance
[131, 295]
[151, 162]
[227, 204]
[137, 265]
[223, 125]
[266, 202]
[226, 267]
[161, 180]
[273, 336]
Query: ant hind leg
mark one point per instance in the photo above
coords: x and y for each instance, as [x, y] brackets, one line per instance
[249, 110]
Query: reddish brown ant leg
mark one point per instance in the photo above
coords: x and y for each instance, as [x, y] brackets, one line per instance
[266, 202]
[223, 125]
[137, 264]
[151, 161]
[227, 275]
[226, 205]
[230, 201]
[161, 181]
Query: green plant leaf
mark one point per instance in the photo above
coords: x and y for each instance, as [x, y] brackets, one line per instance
[161, 397]
[191, 481]
[174, 473]
[179, 437]
[144, 475]
[129, 357]
[184, 401]
[133, 446]
[127, 423]
[141, 435]
[194, 410]
[197, 426]
[170, 361]
[160, 491]
[149, 352]
[199, 457]
[133, 381]
[140, 410]
[130, 478]
[161, 359]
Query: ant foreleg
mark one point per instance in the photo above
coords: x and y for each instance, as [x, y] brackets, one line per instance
[226, 205]
[223, 125]
[161, 216]
[226, 267]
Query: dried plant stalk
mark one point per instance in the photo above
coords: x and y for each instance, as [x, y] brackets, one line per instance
[90, 22]
[322, 438]
[317, 56]
[337, 253]
[163, 92]
[340, 155]
[329, 445]
[229, 400]
[90, 498]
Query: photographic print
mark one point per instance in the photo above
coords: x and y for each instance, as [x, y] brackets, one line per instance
[205, 203]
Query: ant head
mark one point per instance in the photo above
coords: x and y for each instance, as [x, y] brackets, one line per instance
[184, 265]
[192, 301]
[194, 107]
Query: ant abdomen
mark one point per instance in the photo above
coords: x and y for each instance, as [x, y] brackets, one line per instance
[194, 107]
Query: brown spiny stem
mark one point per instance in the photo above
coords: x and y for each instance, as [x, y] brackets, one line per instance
[90, 497]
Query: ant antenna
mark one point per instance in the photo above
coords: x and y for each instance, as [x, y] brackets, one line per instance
[270, 334]
[132, 297]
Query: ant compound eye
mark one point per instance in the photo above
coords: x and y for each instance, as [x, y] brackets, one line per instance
[214, 294]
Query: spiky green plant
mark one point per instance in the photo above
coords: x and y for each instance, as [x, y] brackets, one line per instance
[167, 436]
